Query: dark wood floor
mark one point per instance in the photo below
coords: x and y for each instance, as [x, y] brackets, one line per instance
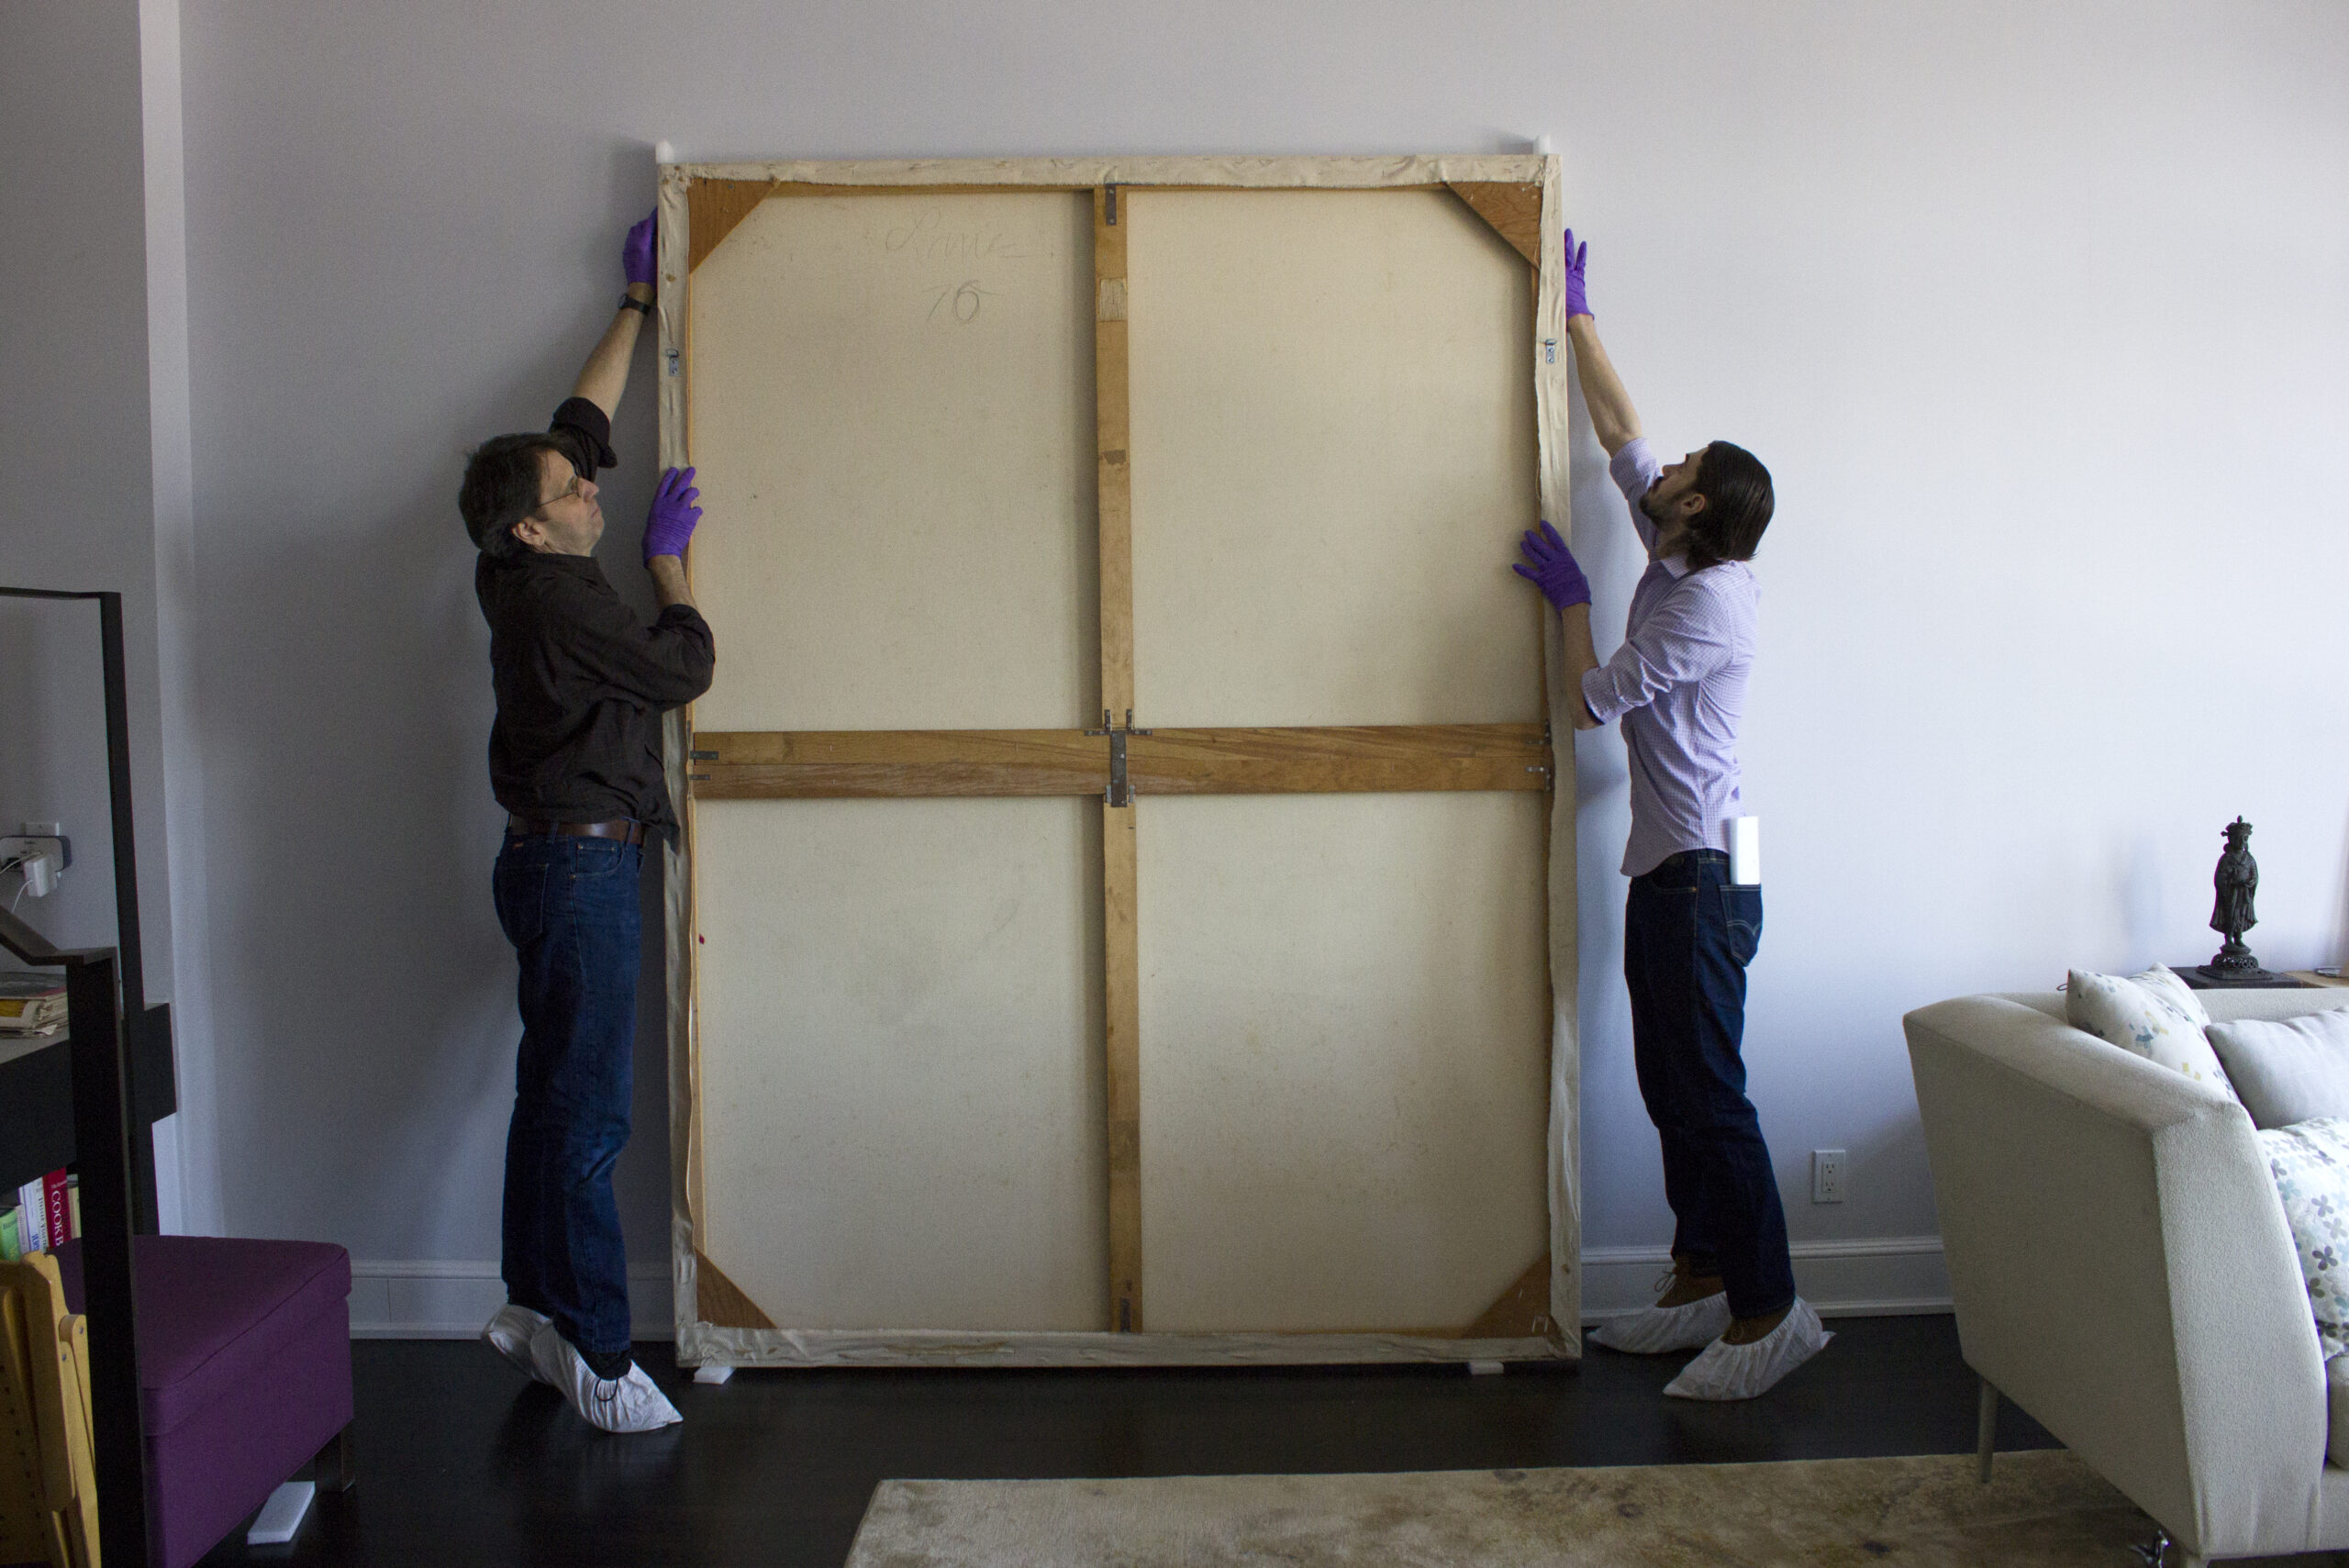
[461, 1461]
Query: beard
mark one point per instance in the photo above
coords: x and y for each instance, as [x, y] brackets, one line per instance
[1671, 527]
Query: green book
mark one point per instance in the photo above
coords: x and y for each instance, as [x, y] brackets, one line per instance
[12, 1244]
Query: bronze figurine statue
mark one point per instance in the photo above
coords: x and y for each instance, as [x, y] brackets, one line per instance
[2236, 881]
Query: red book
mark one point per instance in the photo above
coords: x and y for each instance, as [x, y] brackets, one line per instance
[60, 1217]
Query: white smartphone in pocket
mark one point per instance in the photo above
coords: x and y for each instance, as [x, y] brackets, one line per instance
[1746, 850]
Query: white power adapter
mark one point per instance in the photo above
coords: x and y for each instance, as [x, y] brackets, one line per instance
[40, 856]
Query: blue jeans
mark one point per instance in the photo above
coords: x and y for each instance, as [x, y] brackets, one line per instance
[1687, 937]
[569, 906]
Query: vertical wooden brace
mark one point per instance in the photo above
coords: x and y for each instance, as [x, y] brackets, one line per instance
[1120, 952]
[1111, 435]
[1122, 964]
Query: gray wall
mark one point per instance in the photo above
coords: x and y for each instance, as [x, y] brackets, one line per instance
[78, 491]
[75, 501]
[2038, 316]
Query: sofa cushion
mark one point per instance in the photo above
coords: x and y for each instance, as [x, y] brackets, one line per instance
[2309, 1164]
[213, 1311]
[2287, 1070]
[2153, 1014]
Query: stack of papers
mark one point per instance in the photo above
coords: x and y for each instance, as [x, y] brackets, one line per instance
[31, 1003]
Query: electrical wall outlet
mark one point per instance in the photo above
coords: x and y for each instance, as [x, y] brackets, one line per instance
[1827, 1175]
[61, 846]
[40, 857]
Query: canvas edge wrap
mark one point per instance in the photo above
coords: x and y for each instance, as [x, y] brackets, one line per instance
[675, 236]
[699, 1342]
[1555, 452]
[1088, 173]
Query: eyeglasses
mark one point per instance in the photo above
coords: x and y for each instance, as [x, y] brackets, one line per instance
[566, 494]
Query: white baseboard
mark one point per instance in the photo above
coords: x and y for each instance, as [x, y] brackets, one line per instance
[430, 1298]
[1886, 1277]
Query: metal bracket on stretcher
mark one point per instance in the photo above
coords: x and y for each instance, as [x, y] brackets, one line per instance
[1120, 791]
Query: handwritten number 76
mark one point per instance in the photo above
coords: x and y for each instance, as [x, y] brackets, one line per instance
[962, 300]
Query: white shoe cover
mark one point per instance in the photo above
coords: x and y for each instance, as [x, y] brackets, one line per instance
[628, 1404]
[1740, 1372]
[508, 1332]
[1656, 1330]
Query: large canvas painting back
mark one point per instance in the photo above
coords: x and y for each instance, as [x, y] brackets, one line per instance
[1117, 916]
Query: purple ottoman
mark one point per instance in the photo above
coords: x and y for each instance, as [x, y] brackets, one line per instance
[244, 1355]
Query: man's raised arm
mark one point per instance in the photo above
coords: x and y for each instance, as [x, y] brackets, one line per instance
[605, 376]
[1612, 417]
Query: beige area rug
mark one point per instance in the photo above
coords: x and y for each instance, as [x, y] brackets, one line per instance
[2043, 1509]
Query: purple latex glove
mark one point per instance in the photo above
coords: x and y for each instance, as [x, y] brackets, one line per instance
[636, 251]
[1578, 303]
[670, 525]
[1553, 568]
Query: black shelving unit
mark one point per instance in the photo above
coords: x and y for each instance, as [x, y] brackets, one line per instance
[116, 1070]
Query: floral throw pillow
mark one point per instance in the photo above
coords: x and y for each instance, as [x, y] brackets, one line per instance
[2153, 1014]
[2310, 1161]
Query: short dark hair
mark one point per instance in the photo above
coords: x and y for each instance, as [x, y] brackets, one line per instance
[1736, 489]
[501, 488]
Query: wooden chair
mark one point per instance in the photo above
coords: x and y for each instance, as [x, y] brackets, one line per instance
[48, 1495]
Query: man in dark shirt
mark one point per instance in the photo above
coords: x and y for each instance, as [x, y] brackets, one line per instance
[574, 757]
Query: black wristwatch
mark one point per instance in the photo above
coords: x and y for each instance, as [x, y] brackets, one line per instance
[629, 302]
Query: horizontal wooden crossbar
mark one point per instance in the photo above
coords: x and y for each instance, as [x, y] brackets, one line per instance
[809, 765]
[1358, 760]
[812, 764]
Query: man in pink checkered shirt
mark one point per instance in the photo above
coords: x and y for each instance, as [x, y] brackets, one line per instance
[1678, 685]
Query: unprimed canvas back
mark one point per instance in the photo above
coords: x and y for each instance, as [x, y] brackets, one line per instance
[896, 1056]
[899, 1000]
[1344, 1004]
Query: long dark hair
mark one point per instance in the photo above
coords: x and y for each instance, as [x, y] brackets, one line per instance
[1736, 489]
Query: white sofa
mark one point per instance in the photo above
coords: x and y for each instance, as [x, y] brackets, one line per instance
[2122, 1269]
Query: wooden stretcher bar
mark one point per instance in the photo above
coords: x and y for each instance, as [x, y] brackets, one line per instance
[1121, 855]
[917, 763]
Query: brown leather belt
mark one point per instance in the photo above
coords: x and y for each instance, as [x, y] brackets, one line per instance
[625, 830]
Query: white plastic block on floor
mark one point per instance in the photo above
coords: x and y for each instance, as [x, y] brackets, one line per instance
[283, 1513]
[713, 1374]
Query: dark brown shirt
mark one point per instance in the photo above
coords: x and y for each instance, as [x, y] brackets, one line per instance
[581, 683]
